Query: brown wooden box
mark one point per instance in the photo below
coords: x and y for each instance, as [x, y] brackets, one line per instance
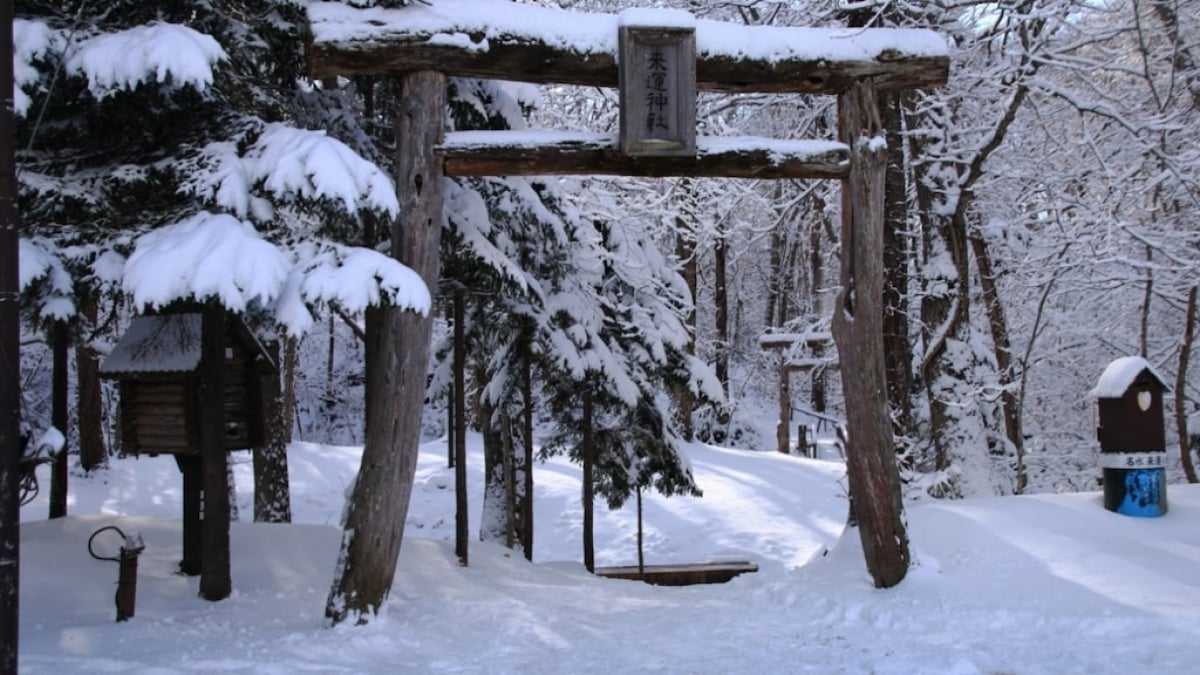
[1129, 399]
[156, 365]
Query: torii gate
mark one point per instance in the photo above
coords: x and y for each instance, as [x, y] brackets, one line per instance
[424, 43]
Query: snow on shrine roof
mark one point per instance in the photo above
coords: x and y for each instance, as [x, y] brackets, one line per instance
[1121, 373]
[469, 24]
[156, 343]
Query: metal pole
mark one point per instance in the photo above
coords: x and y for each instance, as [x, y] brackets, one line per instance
[10, 362]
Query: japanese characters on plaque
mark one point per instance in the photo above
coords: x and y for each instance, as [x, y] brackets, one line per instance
[1133, 460]
[658, 91]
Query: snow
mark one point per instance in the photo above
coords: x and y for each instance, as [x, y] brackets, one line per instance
[38, 261]
[1034, 584]
[479, 21]
[159, 52]
[1121, 373]
[779, 150]
[656, 17]
[355, 277]
[31, 41]
[289, 162]
[205, 255]
[219, 256]
[167, 343]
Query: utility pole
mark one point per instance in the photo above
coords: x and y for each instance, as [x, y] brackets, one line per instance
[10, 362]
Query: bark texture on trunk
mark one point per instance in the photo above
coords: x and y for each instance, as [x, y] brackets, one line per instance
[1181, 414]
[721, 299]
[1002, 345]
[272, 493]
[397, 353]
[89, 408]
[858, 332]
[897, 253]
[685, 251]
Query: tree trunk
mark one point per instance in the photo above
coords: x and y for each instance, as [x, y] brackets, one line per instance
[289, 388]
[10, 364]
[215, 581]
[783, 427]
[685, 251]
[397, 362]
[775, 282]
[272, 494]
[998, 322]
[816, 270]
[589, 456]
[721, 299]
[60, 346]
[527, 444]
[640, 538]
[331, 396]
[89, 408]
[510, 481]
[494, 519]
[451, 401]
[858, 331]
[1147, 299]
[897, 254]
[1181, 414]
[458, 430]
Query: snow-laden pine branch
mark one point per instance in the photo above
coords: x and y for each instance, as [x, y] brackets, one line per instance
[160, 52]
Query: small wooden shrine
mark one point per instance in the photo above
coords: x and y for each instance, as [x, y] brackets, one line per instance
[165, 364]
[156, 364]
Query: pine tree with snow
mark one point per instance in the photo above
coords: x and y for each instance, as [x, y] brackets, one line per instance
[163, 158]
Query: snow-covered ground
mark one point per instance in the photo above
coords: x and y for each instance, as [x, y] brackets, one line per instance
[1038, 584]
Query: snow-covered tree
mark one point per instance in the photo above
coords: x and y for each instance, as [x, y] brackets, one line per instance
[162, 157]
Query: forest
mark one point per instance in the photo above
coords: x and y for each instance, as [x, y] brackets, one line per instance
[1041, 221]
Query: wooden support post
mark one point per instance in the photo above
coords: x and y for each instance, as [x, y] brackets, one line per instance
[60, 337]
[858, 332]
[189, 466]
[215, 581]
[397, 350]
[459, 434]
[783, 430]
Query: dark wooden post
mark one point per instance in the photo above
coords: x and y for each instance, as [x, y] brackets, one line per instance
[589, 494]
[858, 332]
[527, 441]
[60, 339]
[783, 429]
[193, 478]
[10, 362]
[458, 432]
[397, 349]
[215, 580]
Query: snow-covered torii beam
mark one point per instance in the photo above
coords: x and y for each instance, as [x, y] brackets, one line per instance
[507, 41]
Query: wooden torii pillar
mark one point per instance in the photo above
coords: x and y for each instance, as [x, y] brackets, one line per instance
[375, 41]
[781, 342]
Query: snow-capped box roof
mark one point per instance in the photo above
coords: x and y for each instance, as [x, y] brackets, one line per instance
[156, 343]
[1121, 373]
[170, 344]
